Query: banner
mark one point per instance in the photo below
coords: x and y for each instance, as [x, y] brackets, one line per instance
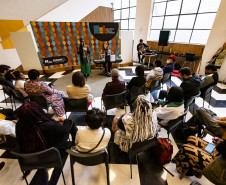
[57, 39]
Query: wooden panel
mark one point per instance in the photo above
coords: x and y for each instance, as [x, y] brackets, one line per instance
[178, 48]
[100, 14]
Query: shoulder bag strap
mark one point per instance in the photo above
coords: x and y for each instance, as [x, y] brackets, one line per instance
[95, 146]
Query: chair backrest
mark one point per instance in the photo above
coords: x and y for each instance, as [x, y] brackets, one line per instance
[89, 159]
[155, 85]
[114, 100]
[141, 146]
[9, 143]
[17, 94]
[191, 99]
[75, 105]
[190, 57]
[136, 91]
[40, 100]
[166, 77]
[49, 158]
[7, 90]
[208, 91]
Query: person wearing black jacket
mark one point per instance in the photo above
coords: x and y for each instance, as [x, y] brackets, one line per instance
[141, 48]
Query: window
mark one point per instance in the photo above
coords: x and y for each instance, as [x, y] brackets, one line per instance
[125, 13]
[185, 19]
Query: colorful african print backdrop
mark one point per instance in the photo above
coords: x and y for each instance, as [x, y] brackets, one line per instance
[56, 39]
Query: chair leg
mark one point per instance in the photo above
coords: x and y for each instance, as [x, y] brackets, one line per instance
[209, 101]
[131, 170]
[11, 101]
[72, 171]
[25, 178]
[125, 109]
[5, 98]
[63, 177]
[107, 172]
[203, 103]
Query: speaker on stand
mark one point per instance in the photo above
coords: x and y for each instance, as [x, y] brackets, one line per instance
[163, 39]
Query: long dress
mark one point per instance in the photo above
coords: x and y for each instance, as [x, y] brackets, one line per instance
[54, 97]
[84, 59]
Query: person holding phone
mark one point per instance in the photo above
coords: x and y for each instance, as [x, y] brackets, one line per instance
[194, 156]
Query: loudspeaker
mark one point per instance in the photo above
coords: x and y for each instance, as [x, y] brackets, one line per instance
[163, 38]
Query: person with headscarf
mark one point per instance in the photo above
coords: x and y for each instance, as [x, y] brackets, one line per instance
[84, 53]
[138, 126]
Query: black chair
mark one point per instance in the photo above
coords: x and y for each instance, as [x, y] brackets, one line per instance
[140, 147]
[155, 85]
[172, 124]
[136, 91]
[114, 100]
[18, 96]
[40, 100]
[89, 159]
[49, 158]
[207, 93]
[8, 90]
[9, 144]
[166, 78]
[191, 101]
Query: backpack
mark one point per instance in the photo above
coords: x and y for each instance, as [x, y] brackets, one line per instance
[163, 151]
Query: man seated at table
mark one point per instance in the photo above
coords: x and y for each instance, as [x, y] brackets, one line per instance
[141, 48]
[116, 86]
[169, 64]
[209, 79]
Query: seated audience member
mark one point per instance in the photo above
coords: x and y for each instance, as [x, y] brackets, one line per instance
[88, 137]
[116, 86]
[214, 124]
[170, 64]
[139, 80]
[36, 87]
[174, 106]
[190, 85]
[155, 73]
[19, 82]
[192, 157]
[141, 49]
[36, 131]
[209, 79]
[79, 89]
[3, 81]
[135, 127]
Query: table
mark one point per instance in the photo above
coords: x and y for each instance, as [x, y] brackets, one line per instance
[149, 55]
[102, 61]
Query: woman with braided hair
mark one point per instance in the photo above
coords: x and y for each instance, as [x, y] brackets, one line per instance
[135, 127]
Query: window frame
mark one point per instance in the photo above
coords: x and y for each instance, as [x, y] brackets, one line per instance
[179, 14]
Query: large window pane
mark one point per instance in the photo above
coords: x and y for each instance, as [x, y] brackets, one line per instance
[182, 36]
[116, 14]
[186, 21]
[209, 5]
[205, 21]
[132, 13]
[200, 36]
[190, 6]
[171, 36]
[133, 3]
[125, 3]
[125, 13]
[173, 7]
[117, 4]
[170, 22]
[154, 35]
[159, 9]
[157, 22]
[132, 24]
[124, 24]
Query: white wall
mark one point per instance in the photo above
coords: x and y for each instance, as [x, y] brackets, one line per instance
[126, 45]
[216, 39]
[74, 10]
[142, 25]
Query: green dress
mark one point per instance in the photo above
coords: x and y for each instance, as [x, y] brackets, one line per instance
[84, 60]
